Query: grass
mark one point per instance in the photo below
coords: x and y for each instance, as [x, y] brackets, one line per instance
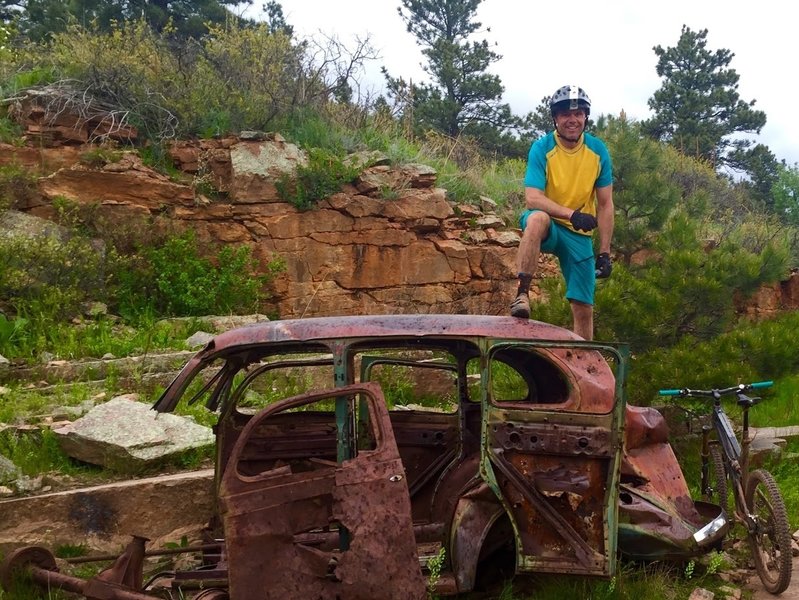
[28, 591]
[631, 582]
[35, 454]
[95, 339]
[786, 472]
[779, 406]
[22, 405]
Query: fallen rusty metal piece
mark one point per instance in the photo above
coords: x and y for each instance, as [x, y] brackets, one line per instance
[21, 559]
[127, 569]
[121, 581]
[40, 566]
[76, 560]
[212, 595]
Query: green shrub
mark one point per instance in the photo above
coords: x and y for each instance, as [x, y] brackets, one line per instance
[751, 352]
[245, 78]
[50, 277]
[685, 289]
[786, 473]
[31, 77]
[309, 129]
[235, 78]
[10, 131]
[324, 176]
[100, 156]
[156, 156]
[17, 185]
[214, 123]
[71, 550]
[174, 279]
[26, 339]
[11, 331]
[131, 68]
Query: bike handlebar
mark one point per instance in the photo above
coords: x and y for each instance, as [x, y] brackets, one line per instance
[717, 392]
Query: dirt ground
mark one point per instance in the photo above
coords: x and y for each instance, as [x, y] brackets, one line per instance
[792, 593]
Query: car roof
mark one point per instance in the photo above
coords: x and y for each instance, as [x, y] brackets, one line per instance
[320, 328]
[585, 367]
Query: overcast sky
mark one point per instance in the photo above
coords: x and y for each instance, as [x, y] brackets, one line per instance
[605, 46]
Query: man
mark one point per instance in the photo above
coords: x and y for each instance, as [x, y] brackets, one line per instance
[568, 194]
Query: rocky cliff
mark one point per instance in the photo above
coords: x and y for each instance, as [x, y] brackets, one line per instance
[390, 242]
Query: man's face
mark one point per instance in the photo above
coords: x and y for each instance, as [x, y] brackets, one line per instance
[570, 123]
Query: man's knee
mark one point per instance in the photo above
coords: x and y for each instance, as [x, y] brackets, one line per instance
[581, 310]
[537, 225]
[581, 306]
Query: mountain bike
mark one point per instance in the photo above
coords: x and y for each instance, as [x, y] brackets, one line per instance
[759, 506]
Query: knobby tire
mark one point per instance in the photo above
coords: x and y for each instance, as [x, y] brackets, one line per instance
[716, 490]
[771, 539]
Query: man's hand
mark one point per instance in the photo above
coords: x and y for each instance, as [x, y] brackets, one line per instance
[582, 221]
[603, 265]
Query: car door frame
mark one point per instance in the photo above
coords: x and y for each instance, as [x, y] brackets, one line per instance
[548, 538]
[270, 517]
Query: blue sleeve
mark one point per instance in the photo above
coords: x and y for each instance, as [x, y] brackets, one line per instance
[605, 166]
[536, 175]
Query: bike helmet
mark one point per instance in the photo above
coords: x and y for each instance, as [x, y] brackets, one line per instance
[569, 97]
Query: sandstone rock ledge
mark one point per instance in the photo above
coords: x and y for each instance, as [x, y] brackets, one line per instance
[390, 242]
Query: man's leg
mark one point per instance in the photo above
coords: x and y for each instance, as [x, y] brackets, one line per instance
[577, 264]
[583, 319]
[535, 231]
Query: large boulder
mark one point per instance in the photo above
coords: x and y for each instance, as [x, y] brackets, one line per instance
[16, 224]
[126, 436]
[257, 165]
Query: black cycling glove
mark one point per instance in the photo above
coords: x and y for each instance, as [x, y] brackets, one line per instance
[603, 265]
[582, 221]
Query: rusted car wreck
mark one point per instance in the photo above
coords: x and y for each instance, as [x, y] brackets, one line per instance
[352, 450]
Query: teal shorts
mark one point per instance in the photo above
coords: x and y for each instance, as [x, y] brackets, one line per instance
[575, 253]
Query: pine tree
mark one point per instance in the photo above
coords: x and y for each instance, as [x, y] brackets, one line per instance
[785, 192]
[644, 194]
[697, 108]
[462, 97]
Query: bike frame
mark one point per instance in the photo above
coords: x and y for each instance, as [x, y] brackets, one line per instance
[735, 454]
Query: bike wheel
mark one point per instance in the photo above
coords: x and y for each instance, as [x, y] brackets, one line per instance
[715, 489]
[770, 538]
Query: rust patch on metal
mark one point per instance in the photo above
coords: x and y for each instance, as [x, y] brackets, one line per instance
[331, 530]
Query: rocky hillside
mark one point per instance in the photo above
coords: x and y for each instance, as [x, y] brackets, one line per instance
[389, 242]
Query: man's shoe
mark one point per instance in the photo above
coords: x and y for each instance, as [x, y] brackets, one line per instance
[521, 307]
